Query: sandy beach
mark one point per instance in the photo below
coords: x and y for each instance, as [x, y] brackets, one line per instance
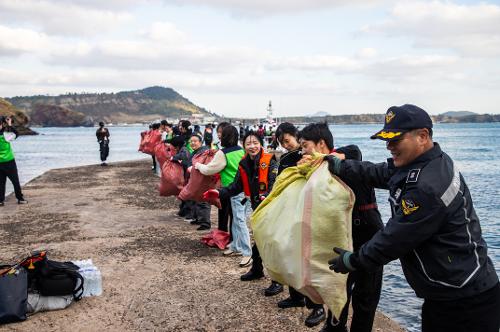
[157, 275]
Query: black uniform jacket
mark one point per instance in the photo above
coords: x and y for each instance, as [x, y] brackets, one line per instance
[289, 159]
[366, 219]
[252, 169]
[433, 230]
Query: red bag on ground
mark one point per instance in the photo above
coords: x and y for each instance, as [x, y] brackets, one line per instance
[143, 139]
[172, 179]
[152, 139]
[216, 238]
[199, 183]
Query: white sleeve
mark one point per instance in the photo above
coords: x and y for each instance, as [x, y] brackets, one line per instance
[214, 166]
[9, 137]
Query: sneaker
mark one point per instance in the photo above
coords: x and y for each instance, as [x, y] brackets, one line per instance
[203, 228]
[274, 289]
[315, 317]
[246, 261]
[230, 252]
[104, 164]
[189, 220]
[22, 201]
[252, 275]
[2, 204]
[194, 222]
[290, 303]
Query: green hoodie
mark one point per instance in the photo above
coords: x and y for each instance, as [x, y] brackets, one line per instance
[6, 153]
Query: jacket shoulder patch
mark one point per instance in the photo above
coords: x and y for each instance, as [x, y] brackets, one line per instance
[409, 206]
[413, 176]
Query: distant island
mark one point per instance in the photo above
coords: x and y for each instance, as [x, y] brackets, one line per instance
[86, 109]
[156, 102]
[448, 117]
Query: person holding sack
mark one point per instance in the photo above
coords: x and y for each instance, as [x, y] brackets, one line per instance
[255, 178]
[225, 162]
[201, 210]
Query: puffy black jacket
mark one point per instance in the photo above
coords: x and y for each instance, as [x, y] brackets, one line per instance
[434, 229]
[366, 219]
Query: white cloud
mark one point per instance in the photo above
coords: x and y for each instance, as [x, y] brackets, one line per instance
[165, 32]
[17, 41]
[470, 30]
[315, 62]
[275, 7]
[60, 17]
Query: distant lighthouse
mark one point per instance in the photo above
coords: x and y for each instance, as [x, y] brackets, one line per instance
[269, 116]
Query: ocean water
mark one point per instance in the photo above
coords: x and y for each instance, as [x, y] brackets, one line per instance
[475, 149]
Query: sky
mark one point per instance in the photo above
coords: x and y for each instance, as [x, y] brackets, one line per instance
[233, 56]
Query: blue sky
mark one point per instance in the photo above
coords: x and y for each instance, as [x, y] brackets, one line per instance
[232, 56]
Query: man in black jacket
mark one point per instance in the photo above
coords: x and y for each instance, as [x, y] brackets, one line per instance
[362, 286]
[434, 230]
[102, 134]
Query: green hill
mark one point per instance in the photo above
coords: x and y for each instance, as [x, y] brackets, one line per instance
[20, 120]
[127, 106]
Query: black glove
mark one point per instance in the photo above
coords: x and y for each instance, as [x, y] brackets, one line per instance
[341, 263]
[333, 164]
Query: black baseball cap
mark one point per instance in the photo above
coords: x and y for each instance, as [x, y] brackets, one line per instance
[402, 119]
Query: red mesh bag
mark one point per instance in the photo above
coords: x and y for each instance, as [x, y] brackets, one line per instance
[153, 138]
[160, 152]
[216, 238]
[143, 139]
[172, 179]
[199, 183]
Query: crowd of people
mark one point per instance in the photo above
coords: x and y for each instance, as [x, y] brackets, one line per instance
[434, 230]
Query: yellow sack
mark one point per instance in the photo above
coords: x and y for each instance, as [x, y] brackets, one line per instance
[307, 213]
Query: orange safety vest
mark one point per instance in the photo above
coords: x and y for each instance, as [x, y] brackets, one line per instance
[264, 162]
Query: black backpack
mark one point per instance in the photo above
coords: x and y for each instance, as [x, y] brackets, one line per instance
[52, 278]
[59, 278]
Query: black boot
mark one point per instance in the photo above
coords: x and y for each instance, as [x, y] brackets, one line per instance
[328, 327]
[315, 317]
[252, 275]
[290, 303]
[274, 289]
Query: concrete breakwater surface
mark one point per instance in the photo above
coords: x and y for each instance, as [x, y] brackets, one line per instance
[157, 275]
[475, 149]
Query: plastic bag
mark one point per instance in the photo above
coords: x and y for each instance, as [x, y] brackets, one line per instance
[199, 183]
[172, 179]
[307, 213]
[39, 303]
[216, 238]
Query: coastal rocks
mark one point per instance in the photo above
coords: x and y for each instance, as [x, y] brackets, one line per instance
[58, 116]
[20, 120]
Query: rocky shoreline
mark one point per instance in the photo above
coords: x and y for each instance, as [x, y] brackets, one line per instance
[157, 275]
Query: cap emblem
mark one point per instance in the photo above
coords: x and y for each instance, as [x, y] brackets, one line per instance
[389, 116]
[388, 134]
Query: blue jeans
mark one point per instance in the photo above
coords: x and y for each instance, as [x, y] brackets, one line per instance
[241, 236]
